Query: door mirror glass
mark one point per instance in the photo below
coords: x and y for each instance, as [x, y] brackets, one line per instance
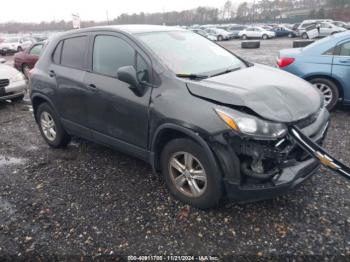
[127, 74]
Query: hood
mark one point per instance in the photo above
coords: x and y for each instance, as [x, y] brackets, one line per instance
[271, 93]
[8, 45]
[7, 72]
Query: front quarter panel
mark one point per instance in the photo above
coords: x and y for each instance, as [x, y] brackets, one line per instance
[172, 103]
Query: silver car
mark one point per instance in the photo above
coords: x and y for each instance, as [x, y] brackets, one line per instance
[12, 83]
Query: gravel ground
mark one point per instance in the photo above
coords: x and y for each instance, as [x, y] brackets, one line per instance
[87, 200]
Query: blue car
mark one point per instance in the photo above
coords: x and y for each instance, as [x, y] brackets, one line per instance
[283, 32]
[325, 64]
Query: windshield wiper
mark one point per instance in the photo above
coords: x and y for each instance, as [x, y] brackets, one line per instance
[192, 76]
[226, 71]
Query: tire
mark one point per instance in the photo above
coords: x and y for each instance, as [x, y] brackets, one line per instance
[25, 70]
[304, 36]
[326, 86]
[265, 37]
[211, 190]
[19, 49]
[244, 37]
[17, 99]
[250, 44]
[61, 138]
[302, 43]
[220, 38]
[290, 35]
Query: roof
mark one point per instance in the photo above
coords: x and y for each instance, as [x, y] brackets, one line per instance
[130, 29]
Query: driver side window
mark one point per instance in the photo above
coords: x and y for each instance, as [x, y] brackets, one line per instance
[110, 53]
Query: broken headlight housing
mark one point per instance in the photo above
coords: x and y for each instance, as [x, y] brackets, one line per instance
[251, 125]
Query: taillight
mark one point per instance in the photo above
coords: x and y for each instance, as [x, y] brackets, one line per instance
[285, 61]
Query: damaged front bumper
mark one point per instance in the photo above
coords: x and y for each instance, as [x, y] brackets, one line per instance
[259, 169]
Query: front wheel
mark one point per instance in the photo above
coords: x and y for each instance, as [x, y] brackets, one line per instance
[189, 175]
[50, 127]
[290, 35]
[220, 38]
[244, 37]
[264, 37]
[329, 90]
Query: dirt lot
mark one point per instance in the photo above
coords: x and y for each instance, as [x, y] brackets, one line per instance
[88, 200]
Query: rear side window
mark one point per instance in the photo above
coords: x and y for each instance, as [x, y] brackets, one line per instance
[56, 57]
[36, 50]
[110, 53]
[345, 49]
[74, 52]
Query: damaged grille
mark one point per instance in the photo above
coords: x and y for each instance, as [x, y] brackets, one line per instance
[3, 84]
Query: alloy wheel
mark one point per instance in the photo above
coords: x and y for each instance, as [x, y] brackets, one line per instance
[326, 91]
[48, 126]
[188, 174]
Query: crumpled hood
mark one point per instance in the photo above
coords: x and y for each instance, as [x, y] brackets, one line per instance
[271, 93]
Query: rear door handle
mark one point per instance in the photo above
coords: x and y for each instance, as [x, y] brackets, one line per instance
[345, 61]
[92, 86]
[52, 73]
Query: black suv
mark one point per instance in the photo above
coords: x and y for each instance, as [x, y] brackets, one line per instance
[213, 124]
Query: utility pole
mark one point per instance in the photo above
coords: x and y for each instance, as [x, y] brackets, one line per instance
[107, 16]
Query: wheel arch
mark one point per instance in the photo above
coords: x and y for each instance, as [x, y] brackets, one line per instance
[167, 132]
[37, 100]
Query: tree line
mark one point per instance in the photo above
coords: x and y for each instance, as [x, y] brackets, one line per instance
[258, 11]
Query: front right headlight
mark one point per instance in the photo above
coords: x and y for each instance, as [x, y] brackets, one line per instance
[251, 125]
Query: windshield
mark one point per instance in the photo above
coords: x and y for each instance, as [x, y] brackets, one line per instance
[185, 52]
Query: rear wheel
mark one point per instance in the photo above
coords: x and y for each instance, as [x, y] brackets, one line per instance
[189, 175]
[290, 35]
[265, 37]
[19, 49]
[220, 38]
[329, 90]
[244, 37]
[50, 127]
[304, 36]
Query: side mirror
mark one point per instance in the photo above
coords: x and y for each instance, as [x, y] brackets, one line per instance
[127, 74]
[2, 60]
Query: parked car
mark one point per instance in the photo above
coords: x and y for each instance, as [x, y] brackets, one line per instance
[26, 60]
[325, 64]
[12, 83]
[282, 31]
[220, 34]
[182, 103]
[205, 34]
[325, 27]
[234, 30]
[15, 44]
[256, 32]
[341, 24]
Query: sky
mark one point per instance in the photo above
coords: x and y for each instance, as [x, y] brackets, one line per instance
[48, 10]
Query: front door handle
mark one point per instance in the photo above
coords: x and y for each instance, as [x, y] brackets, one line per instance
[52, 73]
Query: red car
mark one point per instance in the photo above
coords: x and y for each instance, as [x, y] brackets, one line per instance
[26, 60]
